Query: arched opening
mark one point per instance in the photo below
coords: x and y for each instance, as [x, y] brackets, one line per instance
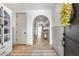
[41, 30]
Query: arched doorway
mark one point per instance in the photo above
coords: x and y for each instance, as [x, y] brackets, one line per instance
[41, 29]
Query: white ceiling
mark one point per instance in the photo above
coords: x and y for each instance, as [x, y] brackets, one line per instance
[30, 6]
[41, 18]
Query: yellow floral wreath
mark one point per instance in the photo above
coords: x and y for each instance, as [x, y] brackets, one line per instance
[65, 14]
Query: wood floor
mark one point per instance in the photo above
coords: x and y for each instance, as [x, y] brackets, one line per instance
[40, 47]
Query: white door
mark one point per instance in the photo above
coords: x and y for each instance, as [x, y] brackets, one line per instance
[20, 28]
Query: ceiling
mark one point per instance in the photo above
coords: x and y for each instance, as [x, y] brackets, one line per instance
[41, 20]
[30, 6]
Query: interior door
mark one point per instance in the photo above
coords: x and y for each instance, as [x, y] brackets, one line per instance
[72, 41]
[21, 28]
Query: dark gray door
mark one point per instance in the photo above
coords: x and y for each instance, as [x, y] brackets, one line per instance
[71, 34]
[71, 38]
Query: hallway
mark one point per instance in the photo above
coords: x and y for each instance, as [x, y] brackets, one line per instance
[22, 23]
[39, 48]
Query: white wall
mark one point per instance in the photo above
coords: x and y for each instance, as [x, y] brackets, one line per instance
[57, 31]
[30, 17]
[13, 27]
[57, 39]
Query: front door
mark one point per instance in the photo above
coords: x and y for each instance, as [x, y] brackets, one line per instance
[20, 28]
[71, 47]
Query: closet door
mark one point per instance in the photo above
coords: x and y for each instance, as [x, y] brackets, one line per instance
[21, 28]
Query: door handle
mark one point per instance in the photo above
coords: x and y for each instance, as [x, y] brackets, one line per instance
[25, 33]
[63, 42]
[63, 34]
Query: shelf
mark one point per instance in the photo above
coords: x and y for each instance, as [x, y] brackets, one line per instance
[6, 34]
[0, 35]
[6, 31]
[5, 37]
[6, 27]
[0, 39]
[0, 26]
[6, 23]
[0, 31]
[1, 17]
[6, 19]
